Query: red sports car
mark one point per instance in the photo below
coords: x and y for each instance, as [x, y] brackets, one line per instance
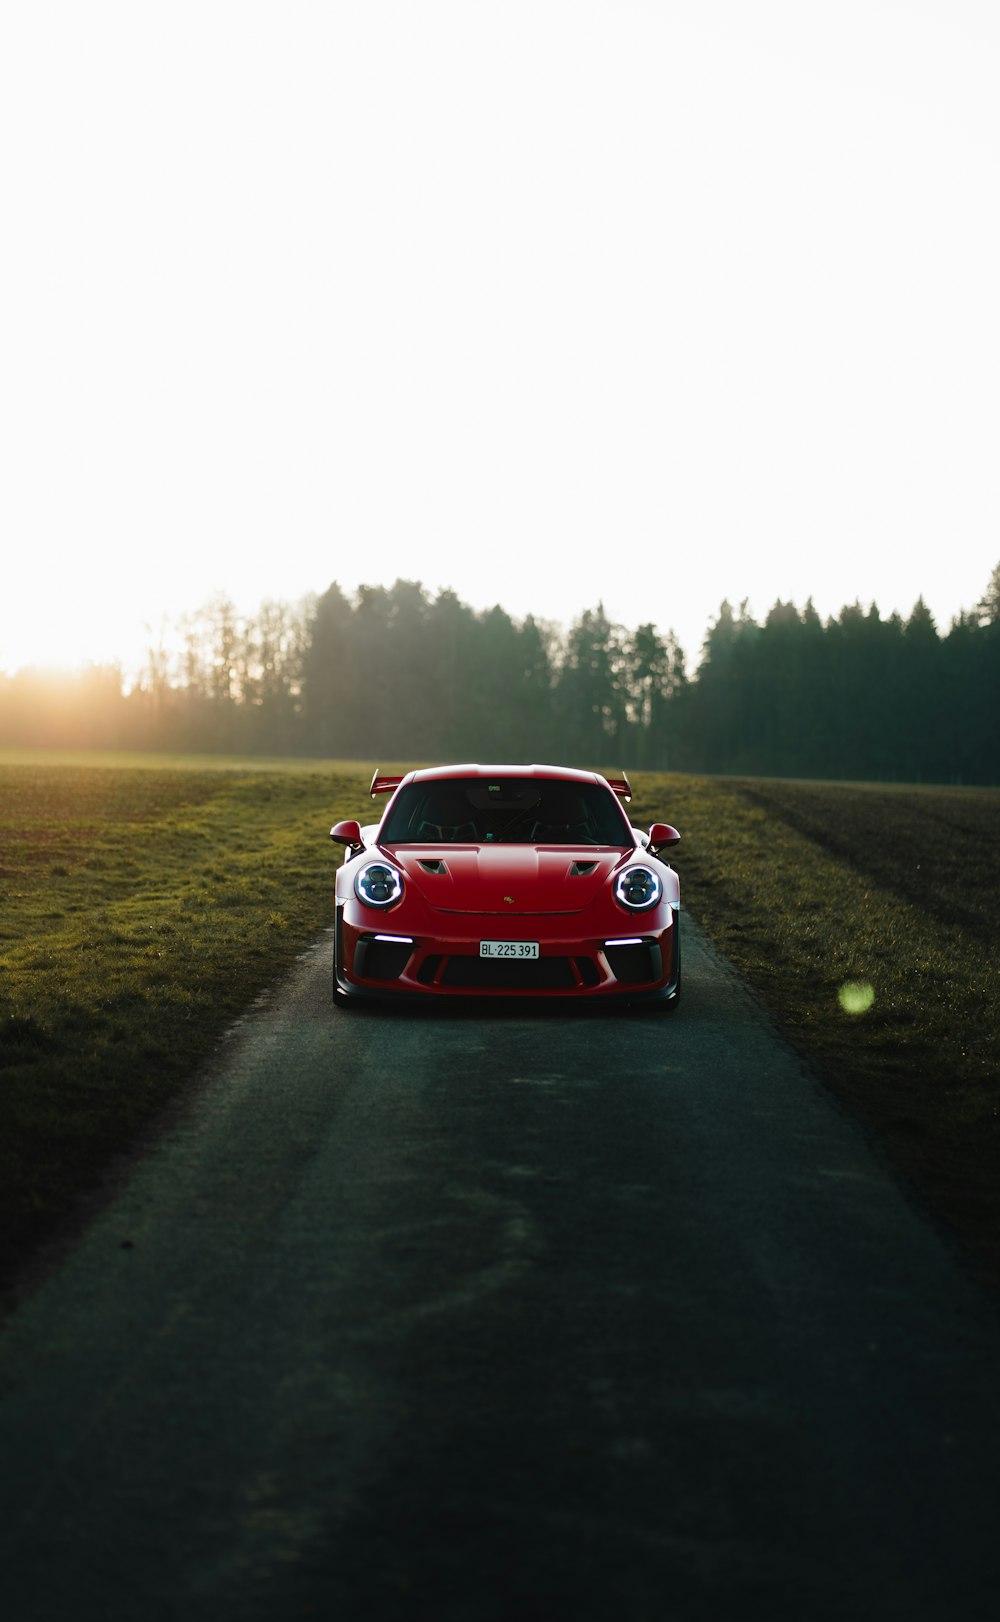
[506, 881]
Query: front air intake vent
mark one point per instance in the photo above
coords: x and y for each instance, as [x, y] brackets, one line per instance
[376, 959]
[635, 962]
[429, 968]
[432, 867]
[579, 870]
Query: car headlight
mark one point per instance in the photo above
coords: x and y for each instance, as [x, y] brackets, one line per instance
[378, 884]
[638, 888]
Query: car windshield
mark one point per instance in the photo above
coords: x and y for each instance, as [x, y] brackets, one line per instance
[513, 810]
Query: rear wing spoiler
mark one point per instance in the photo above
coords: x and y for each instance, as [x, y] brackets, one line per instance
[621, 786]
[384, 785]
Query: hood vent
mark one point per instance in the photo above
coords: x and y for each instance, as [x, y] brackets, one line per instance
[579, 870]
[432, 867]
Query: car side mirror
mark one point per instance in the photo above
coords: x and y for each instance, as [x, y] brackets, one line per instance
[661, 834]
[348, 833]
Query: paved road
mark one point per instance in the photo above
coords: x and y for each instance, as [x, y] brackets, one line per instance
[504, 1315]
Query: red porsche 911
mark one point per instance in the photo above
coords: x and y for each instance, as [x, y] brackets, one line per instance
[506, 881]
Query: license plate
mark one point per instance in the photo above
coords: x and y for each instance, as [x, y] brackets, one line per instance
[508, 948]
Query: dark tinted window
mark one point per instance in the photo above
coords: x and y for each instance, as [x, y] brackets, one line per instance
[518, 810]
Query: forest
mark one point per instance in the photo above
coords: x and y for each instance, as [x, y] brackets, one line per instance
[398, 673]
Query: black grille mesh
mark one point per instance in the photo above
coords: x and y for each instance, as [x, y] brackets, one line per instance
[507, 974]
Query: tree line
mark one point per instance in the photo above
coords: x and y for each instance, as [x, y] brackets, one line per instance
[398, 673]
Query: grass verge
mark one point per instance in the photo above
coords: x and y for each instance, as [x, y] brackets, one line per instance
[141, 910]
[810, 888]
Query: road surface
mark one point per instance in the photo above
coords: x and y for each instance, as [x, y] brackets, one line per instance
[501, 1315]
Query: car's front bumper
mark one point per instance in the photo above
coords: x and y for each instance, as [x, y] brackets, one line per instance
[385, 961]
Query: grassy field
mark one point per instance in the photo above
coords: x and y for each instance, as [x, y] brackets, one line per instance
[147, 901]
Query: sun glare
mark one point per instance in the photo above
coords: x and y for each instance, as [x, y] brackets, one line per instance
[69, 636]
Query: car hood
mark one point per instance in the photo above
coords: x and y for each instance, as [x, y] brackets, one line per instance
[507, 879]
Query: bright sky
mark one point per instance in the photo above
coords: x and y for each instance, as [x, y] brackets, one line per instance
[548, 301]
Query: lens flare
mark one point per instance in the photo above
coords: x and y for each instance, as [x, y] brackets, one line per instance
[856, 996]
